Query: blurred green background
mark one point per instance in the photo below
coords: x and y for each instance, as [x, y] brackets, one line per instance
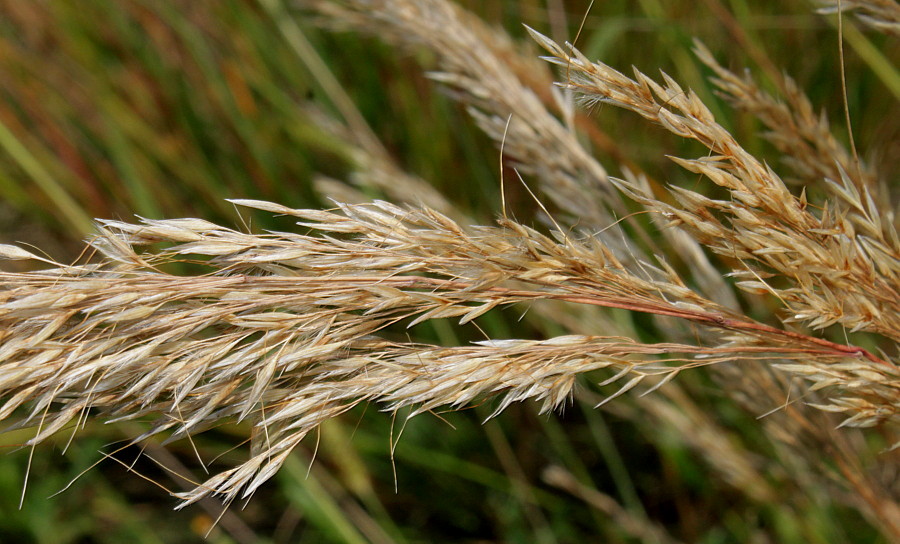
[165, 108]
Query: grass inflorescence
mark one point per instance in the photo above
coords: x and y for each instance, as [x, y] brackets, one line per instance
[737, 305]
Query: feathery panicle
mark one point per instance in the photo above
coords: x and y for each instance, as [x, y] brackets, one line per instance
[840, 271]
[283, 329]
[802, 136]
